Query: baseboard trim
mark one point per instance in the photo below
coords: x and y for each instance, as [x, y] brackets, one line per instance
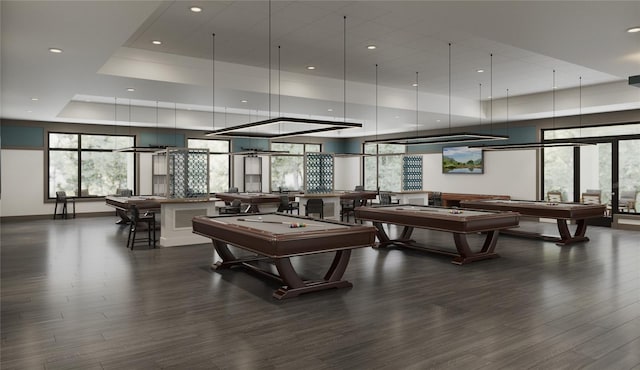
[50, 216]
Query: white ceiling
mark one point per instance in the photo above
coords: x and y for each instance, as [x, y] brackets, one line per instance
[107, 48]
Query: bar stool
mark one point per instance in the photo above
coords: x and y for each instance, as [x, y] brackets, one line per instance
[149, 218]
[63, 200]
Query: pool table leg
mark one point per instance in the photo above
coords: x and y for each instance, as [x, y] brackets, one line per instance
[384, 240]
[465, 255]
[565, 234]
[294, 285]
[228, 258]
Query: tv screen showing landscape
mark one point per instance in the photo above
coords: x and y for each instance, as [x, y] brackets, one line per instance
[461, 160]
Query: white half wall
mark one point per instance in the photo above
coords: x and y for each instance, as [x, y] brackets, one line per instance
[510, 173]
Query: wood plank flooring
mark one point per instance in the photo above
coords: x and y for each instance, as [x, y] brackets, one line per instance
[73, 297]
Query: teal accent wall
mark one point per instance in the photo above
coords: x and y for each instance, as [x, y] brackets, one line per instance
[517, 135]
[342, 146]
[22, 136]
[147, 139]
[242, 143]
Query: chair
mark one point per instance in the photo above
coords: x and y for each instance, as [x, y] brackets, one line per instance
[287, 206]
[233, 208]
[315, 206]
[436, 199]
[554, 196]
[359, 188]
[232, 190]
[627, 201]
[347, 208]
[385, 198]
[591, 198]
[124, 192]
[149, 218]
[63, 200]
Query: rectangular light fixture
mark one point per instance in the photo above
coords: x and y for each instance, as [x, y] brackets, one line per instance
[260, 129]
[536, 145]
[141, 149]
[458, 137]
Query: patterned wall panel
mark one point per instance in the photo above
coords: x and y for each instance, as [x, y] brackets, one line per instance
[318, 173]
[412, 173]
[188, 173]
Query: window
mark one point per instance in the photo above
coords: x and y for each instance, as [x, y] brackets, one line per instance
[218, 163]
[384, 170]
[84, 165]
[287, 171]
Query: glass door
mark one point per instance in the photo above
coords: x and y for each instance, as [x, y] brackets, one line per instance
[596, 173]
[628, 176]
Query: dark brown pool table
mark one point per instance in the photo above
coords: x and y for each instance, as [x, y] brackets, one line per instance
[562, 212]
[253, 200]
[456, 221]
[270, 236]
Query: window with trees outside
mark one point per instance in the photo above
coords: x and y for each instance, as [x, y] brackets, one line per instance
[383, 169]
[86, 166]
[218, 163]
[287, 170]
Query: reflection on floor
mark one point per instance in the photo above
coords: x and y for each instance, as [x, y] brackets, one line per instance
[74, 297]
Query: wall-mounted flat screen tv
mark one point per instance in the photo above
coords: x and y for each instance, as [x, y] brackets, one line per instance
[462, 159]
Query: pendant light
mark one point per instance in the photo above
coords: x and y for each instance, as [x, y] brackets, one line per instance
[244, 130]
[450, 137]
[551, 143]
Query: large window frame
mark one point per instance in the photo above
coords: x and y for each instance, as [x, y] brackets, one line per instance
[296, 158]
[217, 147]
[78, 149]
[614, 135]
[385, 159]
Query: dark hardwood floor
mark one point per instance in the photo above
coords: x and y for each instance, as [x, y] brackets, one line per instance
[73, 297]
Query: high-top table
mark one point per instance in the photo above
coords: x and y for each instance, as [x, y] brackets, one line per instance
[175, 215]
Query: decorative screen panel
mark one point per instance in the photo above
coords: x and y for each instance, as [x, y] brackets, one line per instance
[412, 173]
[318, 173]
[187, 174]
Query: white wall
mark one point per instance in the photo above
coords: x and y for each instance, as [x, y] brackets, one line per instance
[146, 173]
[510, 173]
[347, 172]
[23, 186]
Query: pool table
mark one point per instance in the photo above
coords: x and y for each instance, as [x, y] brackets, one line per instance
[456, 221]
[271, 237]
[268, 202]
[559, 211]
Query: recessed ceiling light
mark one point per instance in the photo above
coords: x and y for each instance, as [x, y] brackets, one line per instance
[311, 68]
[488, 97]
[156, 42]
[243, 101]
[34, 99]
[195, 9]
[555, 87]
[55, 50]
[633, 29]
[130, 89]
[29, 111]
[330, 110]
[480, 70]
[396, 117]
[414, 84]
[371, 47]
[437, 120]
